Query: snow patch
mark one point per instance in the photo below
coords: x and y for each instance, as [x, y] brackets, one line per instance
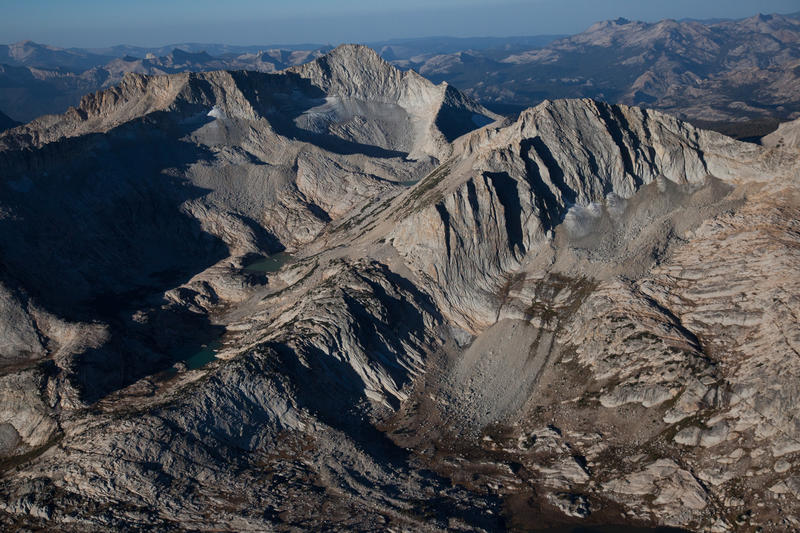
[216, 112]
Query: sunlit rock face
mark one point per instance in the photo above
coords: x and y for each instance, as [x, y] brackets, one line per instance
[343, 297]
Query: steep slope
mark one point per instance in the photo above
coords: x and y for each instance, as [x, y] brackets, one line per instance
[410, 114]
[787, 136]
[585, 258]
[430, 117]
[126, 225]
[584, 316]
[153, 182]
[594, 251]
[556, 164]
[247, 162]
[41, 80]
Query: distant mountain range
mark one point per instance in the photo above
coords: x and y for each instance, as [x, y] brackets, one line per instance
[719, 72]
[739, 77]
[77, 60]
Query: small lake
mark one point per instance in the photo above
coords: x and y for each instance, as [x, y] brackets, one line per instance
[202, 357]
[198, 356]
[268, 264]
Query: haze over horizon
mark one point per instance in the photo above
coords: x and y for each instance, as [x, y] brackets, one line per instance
[95, 24]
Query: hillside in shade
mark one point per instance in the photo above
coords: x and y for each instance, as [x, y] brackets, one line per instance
[342, 297]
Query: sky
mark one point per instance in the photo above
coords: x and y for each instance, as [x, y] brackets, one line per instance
[99, 23]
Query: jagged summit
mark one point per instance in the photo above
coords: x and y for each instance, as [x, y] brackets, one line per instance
[354, 56]
[358, 71]
[555, 293]
[560, 157]
[350, 93]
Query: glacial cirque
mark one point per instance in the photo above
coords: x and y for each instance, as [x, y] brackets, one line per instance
[587, 315]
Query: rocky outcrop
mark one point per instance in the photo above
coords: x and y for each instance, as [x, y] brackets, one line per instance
[786, 137]
[561, 162]
[363, 95]
[435, 115]
[251, 173]
[633, 263]
[586, 315]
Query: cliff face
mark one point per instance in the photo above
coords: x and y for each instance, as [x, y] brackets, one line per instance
[586, 315]
[321, 97]
[497, 203]
[260, 162]
[615, 269]
[787, 136]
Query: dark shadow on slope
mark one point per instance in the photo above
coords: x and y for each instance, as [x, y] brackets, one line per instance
[472, 198]
[99, 232]
[507, 193]
[551, 211]
[327, 390]
[282, 98]
[136, 350]
[615, 126]
[331, 389]
[99, 220]
[553, 168]
[454, 121]
[445, 216]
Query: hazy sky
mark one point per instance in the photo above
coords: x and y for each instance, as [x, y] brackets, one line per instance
[98, 23]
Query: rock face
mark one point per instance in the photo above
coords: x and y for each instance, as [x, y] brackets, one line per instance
[787, 136]
[584, 316]
[45, 80]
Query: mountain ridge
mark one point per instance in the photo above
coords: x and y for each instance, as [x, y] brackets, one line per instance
[583, 316]
[349, 71]
[713, 74]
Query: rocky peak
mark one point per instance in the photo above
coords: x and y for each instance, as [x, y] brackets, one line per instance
[356, 55]
[136, 96]
[336, 94]
[514, 185]
[356, 71]
[593, 250]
